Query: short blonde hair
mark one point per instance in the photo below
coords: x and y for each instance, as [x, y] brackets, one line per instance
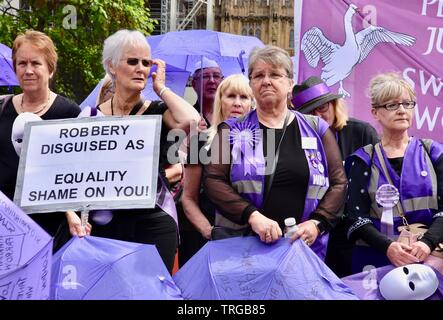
[388, 86]
[236, 83]
[41, 42]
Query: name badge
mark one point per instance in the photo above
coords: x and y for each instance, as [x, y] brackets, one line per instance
[309, 143]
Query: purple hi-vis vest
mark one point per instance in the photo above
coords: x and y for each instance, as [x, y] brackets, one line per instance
[417, 184]
[248, 165]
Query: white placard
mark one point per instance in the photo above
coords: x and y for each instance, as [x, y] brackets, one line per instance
[89, 163]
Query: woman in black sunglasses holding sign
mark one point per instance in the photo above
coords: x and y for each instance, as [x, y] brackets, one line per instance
[127, 61]
[401, 172]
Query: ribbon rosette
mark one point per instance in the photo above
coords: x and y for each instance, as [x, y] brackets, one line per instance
[244, 137]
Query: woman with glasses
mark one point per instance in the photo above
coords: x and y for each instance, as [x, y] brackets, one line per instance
[394, 183]
[314, 97]
[127, 61]
[275, 163]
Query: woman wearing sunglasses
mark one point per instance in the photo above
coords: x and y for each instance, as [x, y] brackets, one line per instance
[314, 97]
[127, 61]
[399, 167]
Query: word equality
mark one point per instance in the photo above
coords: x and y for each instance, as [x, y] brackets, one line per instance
[109, 130]
[92, 176]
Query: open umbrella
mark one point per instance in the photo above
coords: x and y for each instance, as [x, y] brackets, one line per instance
[184, 49]
[366, 284]
[7, 74]
[245, 268]
[93, 268]
[25, 255]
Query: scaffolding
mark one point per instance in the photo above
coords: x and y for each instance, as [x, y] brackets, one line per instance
[180, 14]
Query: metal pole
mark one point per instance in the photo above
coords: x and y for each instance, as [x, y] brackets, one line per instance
[210, 14]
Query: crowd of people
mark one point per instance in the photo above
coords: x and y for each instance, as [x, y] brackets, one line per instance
[275, 149]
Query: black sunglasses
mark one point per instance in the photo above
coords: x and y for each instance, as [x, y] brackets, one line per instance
[134, 61]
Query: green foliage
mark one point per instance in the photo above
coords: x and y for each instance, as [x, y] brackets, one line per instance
[79, 49]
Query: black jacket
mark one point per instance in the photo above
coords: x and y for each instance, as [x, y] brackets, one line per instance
[354, 135]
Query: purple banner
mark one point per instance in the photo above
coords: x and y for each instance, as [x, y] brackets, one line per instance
[361, 38]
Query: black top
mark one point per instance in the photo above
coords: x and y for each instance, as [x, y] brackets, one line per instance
[61, 108]
[359, 202]
[354, 135]
[288, 191]
[287, 196]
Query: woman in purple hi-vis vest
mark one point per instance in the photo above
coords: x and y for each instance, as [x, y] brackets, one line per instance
[275, 163]
[413, 166]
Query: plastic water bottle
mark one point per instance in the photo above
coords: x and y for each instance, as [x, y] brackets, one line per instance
[290, 227]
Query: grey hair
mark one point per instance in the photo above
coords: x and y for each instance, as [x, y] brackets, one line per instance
[271, 55]
[117, 43]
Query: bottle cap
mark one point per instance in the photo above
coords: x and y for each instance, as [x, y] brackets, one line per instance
[290, 222]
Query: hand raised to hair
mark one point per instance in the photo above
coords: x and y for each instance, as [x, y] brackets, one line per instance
[159, 76]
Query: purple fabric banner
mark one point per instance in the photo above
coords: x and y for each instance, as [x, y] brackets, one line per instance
[361, 38]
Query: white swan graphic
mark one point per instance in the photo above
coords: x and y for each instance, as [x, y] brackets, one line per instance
[340, 60]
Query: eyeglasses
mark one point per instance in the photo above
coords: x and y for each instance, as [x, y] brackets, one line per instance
[260, 76]
[134, 61]
[395, 105]
[322, 109]
[214, 76]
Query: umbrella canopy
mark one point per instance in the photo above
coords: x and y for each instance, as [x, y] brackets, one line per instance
[245, 268]
[101, 269]
[25, 255]
[7, 74]
[184, 49]
[366, 284]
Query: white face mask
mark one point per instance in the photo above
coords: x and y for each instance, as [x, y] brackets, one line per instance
[18, 129]
[410, 282]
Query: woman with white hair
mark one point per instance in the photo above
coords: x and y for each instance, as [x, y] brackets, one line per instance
[127, 61]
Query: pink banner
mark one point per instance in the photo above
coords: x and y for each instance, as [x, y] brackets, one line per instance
[347, 42]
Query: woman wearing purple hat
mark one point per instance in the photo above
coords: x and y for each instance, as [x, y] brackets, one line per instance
[276, 163]
[314, 97]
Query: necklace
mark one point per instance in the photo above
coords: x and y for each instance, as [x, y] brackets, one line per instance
[38, 111]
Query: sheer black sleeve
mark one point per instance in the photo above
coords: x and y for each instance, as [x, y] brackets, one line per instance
[329, 207]
[217, 183]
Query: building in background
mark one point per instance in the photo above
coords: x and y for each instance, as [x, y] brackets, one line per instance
[270, 21]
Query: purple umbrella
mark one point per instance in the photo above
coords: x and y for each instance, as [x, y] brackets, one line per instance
[7, 74]
[25, 255]
[244, 268]
[93, 268]
[184, 49]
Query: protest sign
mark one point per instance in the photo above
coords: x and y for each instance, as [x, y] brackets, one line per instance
[89, 163]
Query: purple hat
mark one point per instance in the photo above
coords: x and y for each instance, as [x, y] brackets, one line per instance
[311, 94]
